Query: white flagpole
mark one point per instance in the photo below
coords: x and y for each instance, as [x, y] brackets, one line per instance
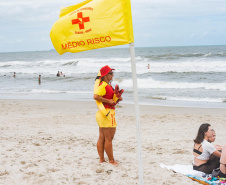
[137, 113]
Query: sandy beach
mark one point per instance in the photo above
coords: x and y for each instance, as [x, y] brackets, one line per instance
[54, 142]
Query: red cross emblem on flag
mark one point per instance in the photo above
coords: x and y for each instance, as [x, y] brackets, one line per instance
[80, 20]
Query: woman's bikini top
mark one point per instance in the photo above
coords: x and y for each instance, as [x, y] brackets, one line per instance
[197, 151]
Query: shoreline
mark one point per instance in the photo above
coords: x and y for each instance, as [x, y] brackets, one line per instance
[54, 142]
[164, 103]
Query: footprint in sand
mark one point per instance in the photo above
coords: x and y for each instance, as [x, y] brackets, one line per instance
[99, 170]
[109, 172]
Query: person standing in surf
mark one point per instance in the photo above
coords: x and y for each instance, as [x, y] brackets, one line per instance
[107, 123]
[39, 79]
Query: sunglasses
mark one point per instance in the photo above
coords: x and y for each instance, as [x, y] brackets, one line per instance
[111, 73]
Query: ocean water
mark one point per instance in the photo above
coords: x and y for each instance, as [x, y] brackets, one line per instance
[178, 76]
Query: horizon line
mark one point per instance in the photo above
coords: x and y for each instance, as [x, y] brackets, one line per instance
[115, 47]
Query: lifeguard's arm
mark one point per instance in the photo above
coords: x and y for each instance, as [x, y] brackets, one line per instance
[102, 99]
[217, 154]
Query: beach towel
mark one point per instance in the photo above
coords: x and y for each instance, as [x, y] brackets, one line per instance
[195, 175]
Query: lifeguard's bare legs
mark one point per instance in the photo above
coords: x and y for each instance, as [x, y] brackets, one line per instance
[104, 143]
[100, 145]
[223, 160]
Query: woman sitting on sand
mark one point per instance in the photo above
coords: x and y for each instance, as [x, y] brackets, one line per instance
[204, 149]
[212, 139]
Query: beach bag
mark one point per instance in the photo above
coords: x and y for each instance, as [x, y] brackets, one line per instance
[216, 172]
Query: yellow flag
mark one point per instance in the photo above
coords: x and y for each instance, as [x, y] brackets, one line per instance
[93, 24]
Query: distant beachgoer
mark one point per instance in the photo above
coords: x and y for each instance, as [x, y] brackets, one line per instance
[39, 79]
[203, 149]
[61, 73]
[148, 66]
[58, 74]
[14, 74]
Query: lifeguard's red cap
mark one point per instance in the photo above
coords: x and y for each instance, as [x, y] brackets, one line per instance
[105, 70]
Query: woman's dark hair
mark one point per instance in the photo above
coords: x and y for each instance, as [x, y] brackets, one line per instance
[102, 79]
[201, 132]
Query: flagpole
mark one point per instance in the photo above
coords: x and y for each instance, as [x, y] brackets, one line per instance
[137, 114]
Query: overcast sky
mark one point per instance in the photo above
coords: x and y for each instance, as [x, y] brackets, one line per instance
[25, 24]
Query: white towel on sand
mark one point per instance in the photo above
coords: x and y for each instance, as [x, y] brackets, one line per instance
[183, 169]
